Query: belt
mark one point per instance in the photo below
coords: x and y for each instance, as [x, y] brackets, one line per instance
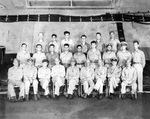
[80, 63]
[94, 61]
[137, 63]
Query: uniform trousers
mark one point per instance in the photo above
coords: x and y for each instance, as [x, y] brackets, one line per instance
[99, 85]
[45, 85]
[72, 84]
[11, 91]
[88, 85]
[113, 83]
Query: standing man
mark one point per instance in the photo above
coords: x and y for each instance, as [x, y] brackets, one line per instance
[79, 57]
[123, 55]
[67, 40]
[23, 55]
[87, 77]
[113, 41]
[94, 55]
[56, 43]
[41, 41]
[100, 75]
[100, 45]
[138, 58]
[114, 73]
[84, 44]
[108, 55]
[72, 77]
[66, 56]
[51, 55]
[129, 77]
[39, 56]
[58, 74]
[44, 74]
[30, 75]
[15, 75]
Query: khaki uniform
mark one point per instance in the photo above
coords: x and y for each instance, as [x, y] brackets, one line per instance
[30, 75]
[51, 58]
[94, 56]
[87, 77]
[80, 58]
[38, 57]
[113, 75]
[70, 42]
[44, 75]
[100, 75]
[123, 57]
[58, 74]
[65, 58]
[107, 56]
[72, 77]
[138, 58]
[23, 57]
[15, 76]
[128, 77]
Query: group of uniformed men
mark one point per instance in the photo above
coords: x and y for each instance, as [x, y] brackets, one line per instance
[90, 64]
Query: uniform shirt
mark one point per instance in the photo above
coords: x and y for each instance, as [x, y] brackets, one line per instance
[101, 72]
[44, 73]
[65, 57]
[30, 72]
[107, 56]
[15, 73]
[94, 55]
[79, 57]
[38, 58]
[23, 56]
[58, 70]
[114, 71]
[72, 73]
[57, 46]
[138, 57]
[51, 58]
[70, 42]
[43, 43]
[129, 74]
[87, 72]
[85, 47]
[100, 46]
[123, 56]
[114, 44]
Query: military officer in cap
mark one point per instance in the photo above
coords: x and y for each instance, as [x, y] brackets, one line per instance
[72, 77]
[30, 75]
[87, 77]
[123, 55]
[114, 73]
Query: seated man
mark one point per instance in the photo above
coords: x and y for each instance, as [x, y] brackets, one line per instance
[72, 77]
[129, 77]
[44, 74]
[58, 74]
[100, 75]
[87, 77]
[80, 57]
[113, 75]
[15, 75]
[39, 56]
[30, 75]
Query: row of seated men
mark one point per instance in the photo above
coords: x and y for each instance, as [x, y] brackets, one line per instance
[90, 78]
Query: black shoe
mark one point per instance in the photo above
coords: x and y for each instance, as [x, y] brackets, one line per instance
[85, 96]
[100, 96]
[47, 97]
[111, 96]
[123, 96]
[13, 99]
[132, 97]
[90, 96]
[56, 97]
[21, 99]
